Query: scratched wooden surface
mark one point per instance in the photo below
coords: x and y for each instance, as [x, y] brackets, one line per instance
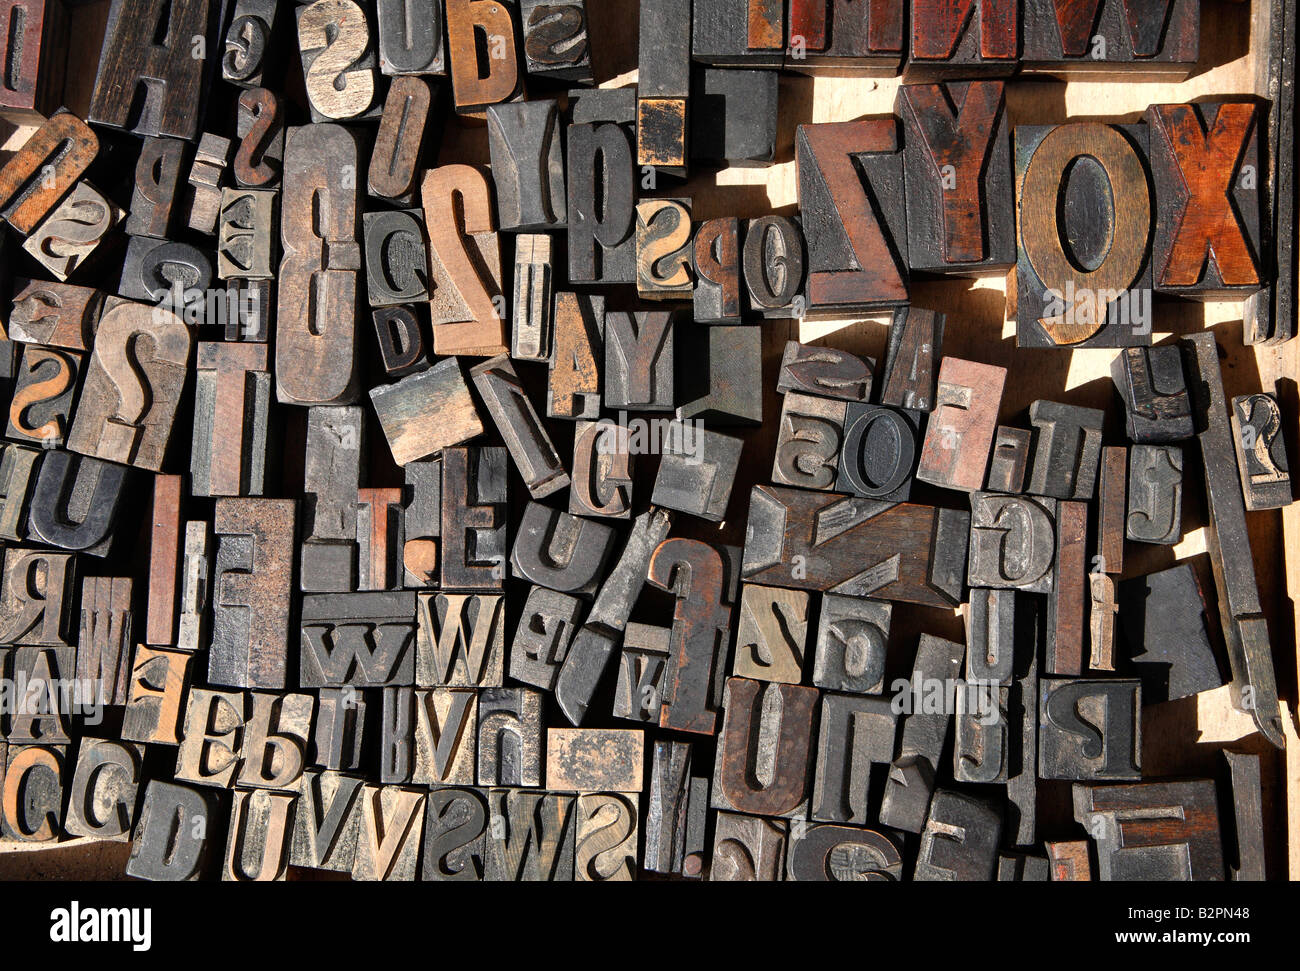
[1180, 737]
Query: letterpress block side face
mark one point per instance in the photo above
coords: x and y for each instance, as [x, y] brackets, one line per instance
[595, 759]
[426, 412]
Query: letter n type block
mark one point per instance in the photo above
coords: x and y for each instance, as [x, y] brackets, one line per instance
[510, 737]
[104, 646]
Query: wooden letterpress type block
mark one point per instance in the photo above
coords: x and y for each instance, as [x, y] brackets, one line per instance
[396, 260]
[1102, 608]
[960, 839]
[212, 739]
[171, 840]
[960, 430]
[1009, 460]
[105, 789]
[850, 199]
[843, 853]
[1089, 729]
[824, 371]
[982, 740]
[1165, 624]
[246, 234]
[389, 827]
[70, 234]
[749, 736]
[901, 551]
[664, 255]
[128, 419]
[483, 74]
[455, 824]
[165, 574]
[32, 793]
[915, 346]
[990, 636]
[358, 639]
[856, 734]
[1069, 861]
[638, 370]
[1113, 39]
[1012, 542]
[192, 628]
[338, 732]
[316, 323]
[676, 813]
[404, 130]
[44, 694]
[104, 644]
[410, 38]
[738, 32]
[602, 471]
[423, 517]
[957, 169]
[969, 36]
[34, 55]
[852, 633]
[602, 194]
[595, 759]
[560, 551]
[473, 518]
[748, 848]
[1112, 493]
[325, 821]
[1015, 867]
[460, 640]
[1067, 449]
[1205, 164]
[1153, 830]
[772, 638]
[697, 469]
[231, 417]
[58, 152]
[1261, 451]
[556, 44]
[638, 695]
[1244, 626]
[1248, 816]
[879, 453]
[773, 263]
[41, 404]
[251, 583]
[36, 597]
[171, 276]
[527, 165]
[509, 737]
[149, 81]
[54, 314]
[275, 739]
[1098, 293]
[531, 836]
[248, 40]
[734, 117]
[844, 37]
[401, 341]
[380, 539]
[1065, 601]
[1155, 494]
[517, 421]
[445, 736]
[606, 837]
[159, 680]
[250, 309]
[925, 731]
[1153, 389]
[530, 333]
[426, 412]
[465, 263]
[574, 377]
[205, 203]
[395, 740]
[17, 477]
[595, 644]
[809, 441]
[75, 502]
[338, 59]
[257, 842]
[716, 262]
[259, 158]
[546, 626]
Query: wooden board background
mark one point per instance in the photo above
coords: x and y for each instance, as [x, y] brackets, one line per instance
[1179, 737]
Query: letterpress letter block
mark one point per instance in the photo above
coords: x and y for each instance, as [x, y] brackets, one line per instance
[1153, 830]
[773, 634]
[595, 759]
[404, 127]
[426, 412]
[575, 377]
[602, 471]
[1009, 460]
[960, 839]
[555, 40]
[663, 249]
[212, 742]
[473, 518]
[697, 469]
[960, 431]
[36, 597]
[1152, 386]
[809, 441]
[396, 259]
[257, 841]
[338, 59]
[104, 645]
[1067, 448]
[358, 639]
[606, 837]
[75, 502]
[231, 417]
[389, 825]
[531, 836]
[880, 448]
[1261, 451]
[70, 234]
[259, 159]
[325, 821]
[105, 788]
[410, 37]
[843, 853]
[159, 680]
[510, 737]
[1012, 542]
[455, 823]
[748, 848]
[1112, 39]
[527, 165]
[969, 36]
[857, 733]
[752, 733]
[852, 634]
[488, 73]
[171, 839]
[461, 640]
[602, 192]
[1155, 494]
[1090, 729]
